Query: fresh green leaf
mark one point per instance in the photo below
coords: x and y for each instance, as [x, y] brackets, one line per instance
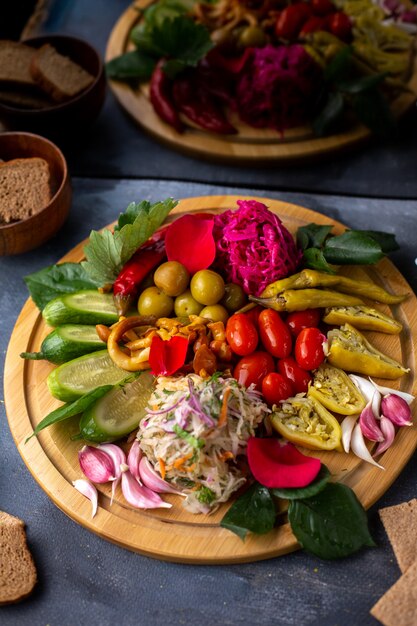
[332, 524]
[330, 114]
[362, 83]
[194, 442]
[387, 241]
[106, 253]
[315, 260]
[55, 280]
[372, 109]
[254, 511]
[352, 248]
[131, 65]
[312, 489]
[205, 495]
[339, 66]
[70, 409]
[313, 235]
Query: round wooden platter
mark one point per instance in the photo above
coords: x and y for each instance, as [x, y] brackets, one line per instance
[250, 145]
[175, 534]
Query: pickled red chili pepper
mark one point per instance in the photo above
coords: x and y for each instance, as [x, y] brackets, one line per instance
[135, 270]
[161, 97]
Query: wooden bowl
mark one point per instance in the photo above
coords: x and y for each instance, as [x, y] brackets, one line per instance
[61, 120]
[24, 235]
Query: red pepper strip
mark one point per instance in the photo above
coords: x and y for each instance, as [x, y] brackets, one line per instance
[166, 357]
[280, 466]
[234, 65]
[147, 257]
[161, 97]
[199, 105]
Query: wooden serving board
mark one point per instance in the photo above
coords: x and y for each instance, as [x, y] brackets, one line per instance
[175, 534]
[250, 145]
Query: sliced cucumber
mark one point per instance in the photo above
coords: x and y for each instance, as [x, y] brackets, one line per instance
[82, 307]
[118, 412]
[75, 378]
[67, 342]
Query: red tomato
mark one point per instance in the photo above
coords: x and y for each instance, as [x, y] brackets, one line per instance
[340, 25]
[322, 7]
[314, 24]
[291, 19]
[275, 334]
[297, 376]
[253, 315]
[276, 388]
[253, 369]
[299, 320]
[241, 334]
[309, 352]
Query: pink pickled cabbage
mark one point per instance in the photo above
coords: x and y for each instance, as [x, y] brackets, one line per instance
[253, 246]
[277, 87]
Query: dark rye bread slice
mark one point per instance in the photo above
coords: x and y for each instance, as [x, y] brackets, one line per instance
[57, 75]
[24, 98]
[17, 569]
[398, 606]
[400, 523]
[24, 188]
[15, 63]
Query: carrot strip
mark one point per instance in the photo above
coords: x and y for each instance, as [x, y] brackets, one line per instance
[223, 412]
[162, 467]
[177, 464]
[226, 455]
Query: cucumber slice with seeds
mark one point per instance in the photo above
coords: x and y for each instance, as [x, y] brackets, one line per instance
[82, 307]
[67, 342]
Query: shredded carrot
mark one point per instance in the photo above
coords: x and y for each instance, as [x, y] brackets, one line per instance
[177, 464]
[162, 467]
[191, 468]
[226, 455]
[223, 412]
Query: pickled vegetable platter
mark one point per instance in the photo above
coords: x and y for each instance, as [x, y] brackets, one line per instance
[238, 126]
[177, 533]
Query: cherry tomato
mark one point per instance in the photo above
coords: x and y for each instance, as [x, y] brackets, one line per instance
[322, 7]
[241, 334]
[340, 25]
[299, 320]
[276, 388]
[253, 315]
[253, 369]
[314, 24]
[309, 352]
[275, 334]
[291, 19]
[297, 376]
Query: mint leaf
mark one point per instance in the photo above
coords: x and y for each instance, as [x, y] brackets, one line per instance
[132, 65]
[55, 280]
[70, 409]
[387, 241]
[313, 235]
[315, 260]
[330, 114]
[318, 484]
[254, 511]
[352, 248]
[106, 253]
[332, 524]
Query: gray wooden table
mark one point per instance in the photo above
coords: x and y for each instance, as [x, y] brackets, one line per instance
[85, 580]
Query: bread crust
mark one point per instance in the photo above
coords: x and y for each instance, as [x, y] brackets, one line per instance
[17, 569]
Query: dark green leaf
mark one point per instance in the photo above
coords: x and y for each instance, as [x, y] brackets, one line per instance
[352, 248]
[387, 241]
[314, 259]
[313, 235]
[330, 114]
[173, 67]
[70, 409]
[132, 65]
[312, 489]
[360, 84]
[254, 511]
[332, 524]
[55, 280]
[372, 109]
[339, 66]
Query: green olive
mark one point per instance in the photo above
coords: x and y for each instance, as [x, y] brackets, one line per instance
[172, 278]
[207, 287]
[234, 297]
[185, 305]
[153, 302]
[252, 37]
[215, 313]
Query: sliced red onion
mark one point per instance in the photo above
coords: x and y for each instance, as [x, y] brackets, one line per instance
[153, 481]
[408, 397]
[358, 445]
[133, 459]
[89, 491]
[396, 410]
[119, 458]
[139, 496]
[196, 406]
[96, 464]
[365, 387]
[168, 410]
[409, 17]
[368, 423]
[347, 426]
[388, 430]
